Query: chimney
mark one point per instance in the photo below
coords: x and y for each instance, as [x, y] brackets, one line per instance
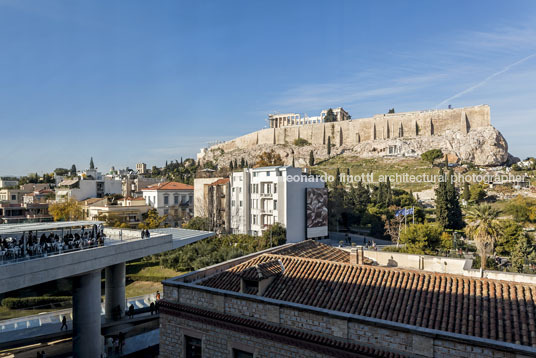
[356, 256]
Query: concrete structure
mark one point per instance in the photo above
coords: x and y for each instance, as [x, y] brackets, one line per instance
[296, 119]
[11, 196]
[378, 127]
[127, 210]
[27, 212]
[38, 196]
[8, 183]
[141, 168]
[173, 199]
[131, 187]
[212, 200]
[261, 197]
[312, 300]
[81, 189]
[85, 266]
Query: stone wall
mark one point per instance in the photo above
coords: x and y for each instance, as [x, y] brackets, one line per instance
[341, 327]
[378, 127]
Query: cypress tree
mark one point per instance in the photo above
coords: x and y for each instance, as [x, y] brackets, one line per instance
[455, 218]
[388, 193]
[242, 163]
[236, 163]
[231, 166]
[441, 200]
[91, 164]
[293, 162]
[311, 158]
[329, 145]
[337, 177]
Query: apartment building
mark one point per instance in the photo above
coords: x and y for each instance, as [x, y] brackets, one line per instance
[261, 197]
[176, 200]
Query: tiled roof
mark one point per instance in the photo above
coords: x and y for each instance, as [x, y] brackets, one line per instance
[221, 181]
[314, 250]
[498, 310]
[262, 271]
[170, 185]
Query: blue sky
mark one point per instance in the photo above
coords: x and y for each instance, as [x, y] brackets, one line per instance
[130, 81]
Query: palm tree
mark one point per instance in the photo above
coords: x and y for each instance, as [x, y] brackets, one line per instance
[484, 228]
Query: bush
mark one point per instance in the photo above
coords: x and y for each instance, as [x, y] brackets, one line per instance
[301, 142]
[29, 302]
[431, 155]
[422, 238]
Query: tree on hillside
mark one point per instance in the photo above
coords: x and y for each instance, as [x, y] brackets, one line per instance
[152, 220]
[330, 116]
[484, 228]
[231, 165]
[61, 171]
[337, 177]
[91, 164]
[431, 155]
[73, 170]
[293, 163]
[448, 210]
[328, 145]
[391, 111]
[478, 193]
[66, 211]
[523, 253]
[276, 235]
[421, 238]
[268, 159]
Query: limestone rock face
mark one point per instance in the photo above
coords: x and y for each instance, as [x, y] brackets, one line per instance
[482, 146]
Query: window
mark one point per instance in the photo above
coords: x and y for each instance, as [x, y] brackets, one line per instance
[275, 204]
[233, 190]
[166, 200]
[240, 203]
[13, 197]
[232, 203]
[193, 347]
[176, 200]
[268, 188]
[237, 353]
[275, 188]
[267, 174]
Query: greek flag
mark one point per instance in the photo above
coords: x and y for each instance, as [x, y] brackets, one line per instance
[404, 212]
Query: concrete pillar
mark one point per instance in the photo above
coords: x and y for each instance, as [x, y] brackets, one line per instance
[87, 315]
[114, 289]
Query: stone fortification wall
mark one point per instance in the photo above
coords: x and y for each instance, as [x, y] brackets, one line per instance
[379, 127]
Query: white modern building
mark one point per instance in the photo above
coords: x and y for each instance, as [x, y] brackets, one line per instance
[261, 197]
[82, 188]
[171, 198]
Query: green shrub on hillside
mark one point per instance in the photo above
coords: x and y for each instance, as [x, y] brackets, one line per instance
[301, 142]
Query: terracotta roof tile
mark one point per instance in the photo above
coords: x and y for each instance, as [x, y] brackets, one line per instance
[170, 185]
[484, 308]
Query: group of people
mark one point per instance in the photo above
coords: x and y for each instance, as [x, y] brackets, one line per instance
[114, 345]
[30, 244]
[145, 234]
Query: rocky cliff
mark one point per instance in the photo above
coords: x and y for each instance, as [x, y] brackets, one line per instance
[484, 146]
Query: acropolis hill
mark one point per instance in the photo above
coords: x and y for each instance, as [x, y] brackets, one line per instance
[465, 134]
